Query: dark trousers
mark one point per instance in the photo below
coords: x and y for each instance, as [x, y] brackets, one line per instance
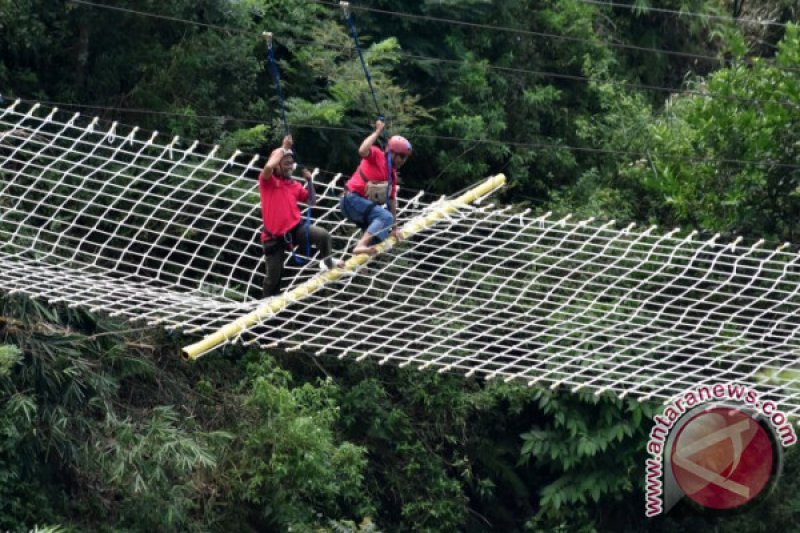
[274, 253]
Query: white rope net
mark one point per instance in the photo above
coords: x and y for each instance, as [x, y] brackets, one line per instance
[118, 222]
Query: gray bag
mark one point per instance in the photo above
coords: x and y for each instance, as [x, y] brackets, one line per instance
[375, 190]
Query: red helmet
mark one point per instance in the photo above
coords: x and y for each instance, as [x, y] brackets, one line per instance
[399, 145]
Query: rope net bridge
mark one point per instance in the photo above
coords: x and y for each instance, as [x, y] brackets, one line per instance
[121, 222]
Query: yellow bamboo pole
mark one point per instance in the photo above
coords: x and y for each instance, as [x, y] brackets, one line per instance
[229, 331]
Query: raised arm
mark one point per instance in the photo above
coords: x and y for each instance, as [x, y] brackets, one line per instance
[276, 155]
[363, 150]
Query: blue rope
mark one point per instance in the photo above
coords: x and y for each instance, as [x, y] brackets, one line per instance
[307, 226]
[273, 66]
[374, 98]
[364, 65]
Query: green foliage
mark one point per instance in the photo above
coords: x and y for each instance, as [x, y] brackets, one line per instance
[443, 455]
[71, 449]
[148, 465]
[20, 496]
[410, 463]
[292, 468]
[9, 356]
[245, 140]
[607, 188]
[344, 99]
[727, 163]
[593, 446]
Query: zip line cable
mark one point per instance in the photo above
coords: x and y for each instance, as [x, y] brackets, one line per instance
[530, 33]
[681, 13]
[345, 7]
[429, 19]
[515, 70]
[630, 85]
[520, 31]
[493, 142]
[580, 78]
[162, 17]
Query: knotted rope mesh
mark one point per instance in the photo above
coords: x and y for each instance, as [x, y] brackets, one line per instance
[126, 223]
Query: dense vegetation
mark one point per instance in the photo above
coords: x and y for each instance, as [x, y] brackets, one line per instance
[102, 427]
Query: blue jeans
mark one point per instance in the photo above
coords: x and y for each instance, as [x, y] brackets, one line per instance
[367, 215]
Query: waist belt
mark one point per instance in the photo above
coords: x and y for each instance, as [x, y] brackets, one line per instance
[283, 237]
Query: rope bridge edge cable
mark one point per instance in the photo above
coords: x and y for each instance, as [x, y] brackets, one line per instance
[274, 305]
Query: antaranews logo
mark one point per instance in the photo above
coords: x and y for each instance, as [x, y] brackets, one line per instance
[719, 445]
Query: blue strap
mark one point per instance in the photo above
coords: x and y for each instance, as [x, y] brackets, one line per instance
[389, 179]
[306, 228]
[276, 75]
[364, 65]
[296, 259]
[273, 66]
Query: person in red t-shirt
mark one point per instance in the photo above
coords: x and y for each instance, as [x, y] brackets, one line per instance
[368, 190]
[283, 226]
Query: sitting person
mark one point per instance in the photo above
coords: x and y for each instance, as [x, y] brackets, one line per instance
[368, 190]
[283, 224]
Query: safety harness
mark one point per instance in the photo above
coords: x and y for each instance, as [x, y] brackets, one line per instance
[286, 241]
[377, 192]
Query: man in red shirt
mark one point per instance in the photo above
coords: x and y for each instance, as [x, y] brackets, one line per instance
[368, 190]
[283, 225]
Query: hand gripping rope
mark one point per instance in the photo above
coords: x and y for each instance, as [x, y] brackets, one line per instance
[346, 9]
[273, 67]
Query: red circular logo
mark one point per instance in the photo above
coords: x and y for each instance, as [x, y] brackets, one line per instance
[722, 458]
